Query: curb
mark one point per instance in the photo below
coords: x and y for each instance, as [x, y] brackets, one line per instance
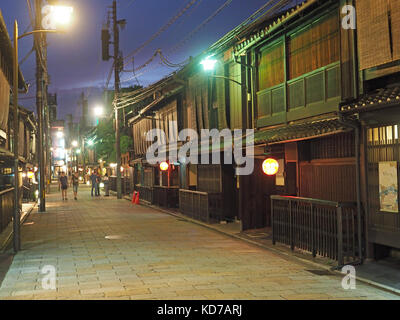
[281, 253]
[6, 243]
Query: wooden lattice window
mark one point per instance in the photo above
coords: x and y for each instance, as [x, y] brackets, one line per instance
[271, 66]
[313, 47]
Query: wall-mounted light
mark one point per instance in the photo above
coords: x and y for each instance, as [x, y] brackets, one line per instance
[208, 64]
[164, 166]
[270, 167]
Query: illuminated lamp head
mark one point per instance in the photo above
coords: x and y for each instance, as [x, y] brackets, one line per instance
[164, 166]
[270, 167]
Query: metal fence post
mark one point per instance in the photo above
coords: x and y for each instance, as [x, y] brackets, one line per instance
[340, 235]
[291, 226]
[313, 232]
[272, 221]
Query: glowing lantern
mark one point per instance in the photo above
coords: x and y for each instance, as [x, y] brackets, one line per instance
[270, 167]
[164, 166]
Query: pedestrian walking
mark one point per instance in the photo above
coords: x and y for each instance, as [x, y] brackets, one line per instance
[93, 179]
[98, 180]
[63, 185]
[75, 184]
[106, 185]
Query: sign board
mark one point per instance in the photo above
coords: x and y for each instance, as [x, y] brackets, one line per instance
[388, 187]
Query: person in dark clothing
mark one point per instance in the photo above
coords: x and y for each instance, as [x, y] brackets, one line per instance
[106, 185]
[63, 184]
[98, 180]
[75, 184]
[93, 179]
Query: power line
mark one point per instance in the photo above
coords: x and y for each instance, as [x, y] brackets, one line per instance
[261, 12]
[160, 31]
[199, 27]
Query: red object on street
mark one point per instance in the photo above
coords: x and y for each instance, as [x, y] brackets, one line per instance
[137, 198]
[134, 197]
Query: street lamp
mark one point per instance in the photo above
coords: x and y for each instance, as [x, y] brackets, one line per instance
[209, 65]
[56, 17]
[74, 143]
[98, 111]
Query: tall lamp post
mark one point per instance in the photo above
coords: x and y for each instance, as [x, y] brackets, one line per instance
[56, 13]
[74, 145]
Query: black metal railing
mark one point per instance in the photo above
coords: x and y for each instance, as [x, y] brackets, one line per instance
[203, 206]
[6, 207]
[125, 185]
[324, 228]
[167, 197]
[145, 193]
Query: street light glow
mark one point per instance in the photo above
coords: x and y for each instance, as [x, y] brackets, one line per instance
[90, 142]
[208, 64]
[60, 134]
[62, 14]
[74, 143]
[78, 151]
[54, 16]
[98, 111]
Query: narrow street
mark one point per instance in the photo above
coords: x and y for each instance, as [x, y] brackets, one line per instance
[103, 248]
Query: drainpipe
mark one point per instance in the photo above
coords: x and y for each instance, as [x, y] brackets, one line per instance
[356, 128]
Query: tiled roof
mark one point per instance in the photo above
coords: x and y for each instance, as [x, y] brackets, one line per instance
[278, 21]
[380, 98]
[299, 131]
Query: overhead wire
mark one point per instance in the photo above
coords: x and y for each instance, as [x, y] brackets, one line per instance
[261, 12]
[197, 29]
[160, 31]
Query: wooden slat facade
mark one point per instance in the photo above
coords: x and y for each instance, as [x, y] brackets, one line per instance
[383, 145]
[374, 40]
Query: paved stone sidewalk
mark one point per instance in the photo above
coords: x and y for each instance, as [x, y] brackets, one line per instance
[103, 248]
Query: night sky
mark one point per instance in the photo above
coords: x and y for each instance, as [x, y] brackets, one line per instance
[74, 58]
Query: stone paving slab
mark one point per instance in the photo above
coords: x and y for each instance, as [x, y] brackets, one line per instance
[103, 248]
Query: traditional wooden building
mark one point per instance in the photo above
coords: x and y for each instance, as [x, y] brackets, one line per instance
[295, 77]
[377, 111]
[156, 107]
[299, 67]
[6, 149]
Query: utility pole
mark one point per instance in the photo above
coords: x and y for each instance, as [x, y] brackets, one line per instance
[16, 215]
[46, 115]
[39, 105]
[117, 64]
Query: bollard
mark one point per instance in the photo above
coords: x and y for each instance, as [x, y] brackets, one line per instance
[134, 197]
[137, 198]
